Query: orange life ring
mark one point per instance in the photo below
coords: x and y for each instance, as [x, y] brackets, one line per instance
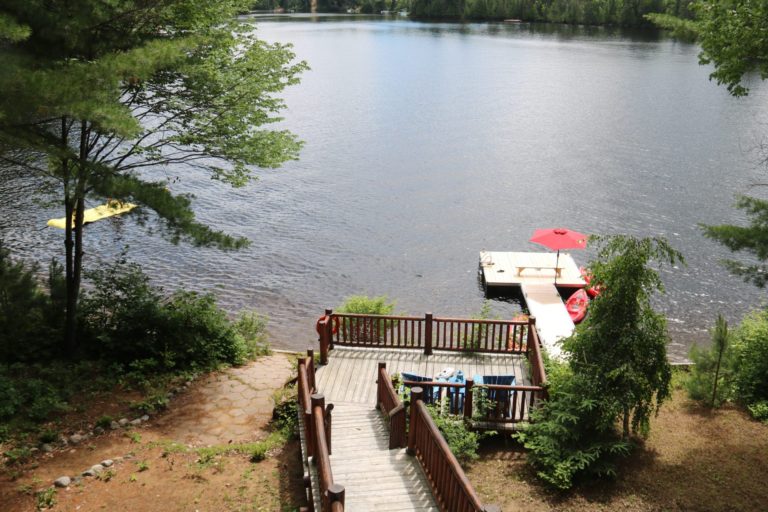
[334, 329]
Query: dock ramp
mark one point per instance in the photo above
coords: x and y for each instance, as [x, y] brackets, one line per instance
[552, 319]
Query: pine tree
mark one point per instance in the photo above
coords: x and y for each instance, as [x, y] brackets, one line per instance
[96, 94]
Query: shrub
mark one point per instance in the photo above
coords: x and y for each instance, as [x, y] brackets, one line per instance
[463, 442]
[569, 437]
[710, 376]
[127, 320]
[749, 360]
[29, 318]
[363, 305]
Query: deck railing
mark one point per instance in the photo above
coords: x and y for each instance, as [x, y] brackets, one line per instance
[426, 333]
[316, 421]
[389, 403]
[452, 490]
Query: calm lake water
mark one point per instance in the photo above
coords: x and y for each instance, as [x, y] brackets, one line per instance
[427, 142]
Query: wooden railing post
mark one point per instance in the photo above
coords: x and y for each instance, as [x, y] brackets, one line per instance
[428, 334]
[468, 390]
[329, 327]
[531, 328]
[379, 385]
[336, 494]
[328, 425]
[311, 370]
[416, 394]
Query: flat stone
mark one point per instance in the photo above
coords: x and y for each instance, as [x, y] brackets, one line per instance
[98, 431]
[114, 425]
[76, 438]
[145, 417]
[135, 422]
[107, 462]
[97, 468]
[89, 472]
[62, 481]
[47, 448]
[123, 422]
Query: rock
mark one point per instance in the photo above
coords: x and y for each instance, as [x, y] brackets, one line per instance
[98, 431]
[188, 383]
[94, 470]
[107, 463]
[76, 438]
[128, 456]
[145, 418]
[47, 448]
[34, 449]
[123, 422]
[77, 480]
[135, 422]
[89, 472]
[62, 481]
[114, 425]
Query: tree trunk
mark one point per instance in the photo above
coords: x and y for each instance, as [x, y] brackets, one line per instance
[625, 434]
[74, 226]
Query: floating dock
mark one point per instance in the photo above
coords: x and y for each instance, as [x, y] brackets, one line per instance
[537, 275]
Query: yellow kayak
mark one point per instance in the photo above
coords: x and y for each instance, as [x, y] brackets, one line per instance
[103, 211]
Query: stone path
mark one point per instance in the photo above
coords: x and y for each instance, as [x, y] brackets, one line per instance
[232, 405]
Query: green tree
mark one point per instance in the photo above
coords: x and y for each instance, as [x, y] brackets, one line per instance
[621, 347]
[617, 370]
[101, 97]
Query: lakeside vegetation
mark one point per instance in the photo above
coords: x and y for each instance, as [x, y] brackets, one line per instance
[625, 13]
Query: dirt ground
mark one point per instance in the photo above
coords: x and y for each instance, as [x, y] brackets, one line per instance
[694, 460]
[157, 466]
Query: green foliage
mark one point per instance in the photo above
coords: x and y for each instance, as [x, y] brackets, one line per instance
[17, 455]
[50, 435]
[30, 318]
[45, 499]
[589, 12]
[759, 410]
[570, 437]
[363, 305]
[710, 376]
[621, 347]
[617, 371]
[462, 441]
[252, 328]
[124, 87]
[750, 239]
[153, 403]
[127, 320]
[285, 414]
[683, 29]
[749, 359]
[471, 342]
[732, 39]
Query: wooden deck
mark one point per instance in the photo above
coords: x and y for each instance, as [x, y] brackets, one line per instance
[552, 319]
[508, 269]
[375, 477]
[350, 375]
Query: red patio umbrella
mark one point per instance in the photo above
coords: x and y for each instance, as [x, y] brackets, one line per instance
[559, 238]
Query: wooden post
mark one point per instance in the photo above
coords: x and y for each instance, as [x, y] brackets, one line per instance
[416, 395]
[311, 370]
[428, 334]
[317, 400]
[336, 494]
[328, 425]
[382, 366]
[329, 314]
[468, 390]
[531, 328]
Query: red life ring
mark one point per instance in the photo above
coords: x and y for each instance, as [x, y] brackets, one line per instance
[334, 329]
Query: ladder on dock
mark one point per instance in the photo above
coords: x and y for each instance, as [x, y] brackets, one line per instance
[552, 319]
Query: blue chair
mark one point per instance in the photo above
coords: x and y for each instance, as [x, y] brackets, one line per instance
[502, 397]
[431, 393]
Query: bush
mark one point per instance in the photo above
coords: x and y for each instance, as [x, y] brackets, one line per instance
[463, 442]
[710, 375]
[569, 437]
[749, 361]
[30, 318]
[127, 320]
[365, 332]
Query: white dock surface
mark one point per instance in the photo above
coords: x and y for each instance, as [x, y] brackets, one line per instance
[552, 319]
[518, 268]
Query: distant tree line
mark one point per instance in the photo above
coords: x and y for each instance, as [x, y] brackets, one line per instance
[589, 12]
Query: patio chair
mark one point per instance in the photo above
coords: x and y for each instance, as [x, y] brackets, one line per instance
[431, 393]
[501, 397]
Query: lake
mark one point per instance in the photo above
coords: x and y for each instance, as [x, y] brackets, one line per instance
[427, 142]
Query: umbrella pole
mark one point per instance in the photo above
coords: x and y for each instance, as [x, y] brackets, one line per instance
[557, 261]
